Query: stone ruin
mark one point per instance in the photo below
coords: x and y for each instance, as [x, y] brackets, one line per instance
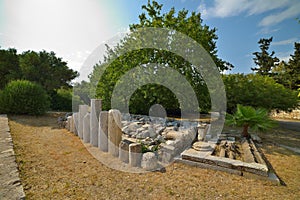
[146, 142]
[151, 143]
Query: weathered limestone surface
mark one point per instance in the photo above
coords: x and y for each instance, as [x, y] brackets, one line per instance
[166, 153]
[149, 161]
[10, 183]
[103, 131]
[68, 125]
[86, 128]
[135, 154]
[124, 150]
[96, 108]
[248, 156]
[74, 129]
[114, 132]
[83, 109]
[206, 158]
[72, 124]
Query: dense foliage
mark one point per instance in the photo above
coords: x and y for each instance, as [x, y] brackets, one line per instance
[288, 73]
[24, 97]
[118, 63]
[9, 66]
[61, 100]
[258, 91]
[43, 68]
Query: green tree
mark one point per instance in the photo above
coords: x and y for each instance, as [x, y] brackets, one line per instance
[264, 60]
[9, 66]
[248, 117]
[293, 69]
[189, 24]
[259, 92]
[288, 74]
[46, 69]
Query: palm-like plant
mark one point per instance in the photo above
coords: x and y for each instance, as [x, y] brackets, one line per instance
[248, 117]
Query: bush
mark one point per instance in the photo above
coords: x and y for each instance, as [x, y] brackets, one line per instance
[61, 100]
[24, 97]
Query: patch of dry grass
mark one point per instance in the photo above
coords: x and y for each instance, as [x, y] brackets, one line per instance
[54, 164]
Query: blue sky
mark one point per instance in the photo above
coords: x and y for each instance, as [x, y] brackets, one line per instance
[74, 28]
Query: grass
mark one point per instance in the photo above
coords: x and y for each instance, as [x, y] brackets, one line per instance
[55, 165]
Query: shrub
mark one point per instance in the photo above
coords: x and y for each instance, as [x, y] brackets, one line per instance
[248, 117]
[24, 97]
[61, 100]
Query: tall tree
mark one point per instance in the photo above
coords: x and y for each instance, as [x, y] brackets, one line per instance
[264, 60]
[190, 25]
[288, 74]
[293, 69]
[9, 66]
[46, 69]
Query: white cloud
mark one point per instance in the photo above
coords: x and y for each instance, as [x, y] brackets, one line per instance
[292, 11]
[284, 56]
[267, 31]
[285, 42]
[283, 9]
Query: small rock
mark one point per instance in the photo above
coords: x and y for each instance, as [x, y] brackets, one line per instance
[256, 138]
[143, 134]
[160, 139]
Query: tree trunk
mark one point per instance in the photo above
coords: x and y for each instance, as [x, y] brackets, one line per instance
[245, 131]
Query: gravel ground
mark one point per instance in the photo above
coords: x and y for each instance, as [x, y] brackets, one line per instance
[54, 164]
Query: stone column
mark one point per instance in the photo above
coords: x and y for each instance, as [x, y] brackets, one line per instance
[86, 128]
[83, 109]
[135, 154]
[72, 124]
[103, 131]
[114, 132]
[75, 124]
[96, 107]
[124, 150]
[69, 122]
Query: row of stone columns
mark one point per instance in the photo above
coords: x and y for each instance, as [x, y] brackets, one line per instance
[102, 129]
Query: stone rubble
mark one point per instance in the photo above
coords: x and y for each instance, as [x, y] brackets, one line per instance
[151, 143]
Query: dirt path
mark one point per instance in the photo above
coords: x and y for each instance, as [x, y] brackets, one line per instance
[290, 125]
[55, 164]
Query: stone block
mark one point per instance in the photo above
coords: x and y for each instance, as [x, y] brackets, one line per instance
[86, 128]
[124, 150]
[72, 124]
[103, 131]
[149, 161]
[75, 123]
[114, 132]
[68, 125]
[96, 107]
[83, 109]
[135, 154]
[166, 153]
